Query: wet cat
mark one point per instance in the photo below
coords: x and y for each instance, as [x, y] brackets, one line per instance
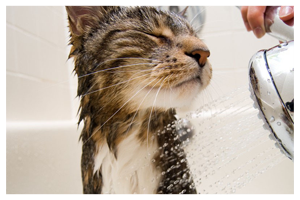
[135, 65]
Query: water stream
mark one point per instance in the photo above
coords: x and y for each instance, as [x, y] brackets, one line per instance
[230, 147]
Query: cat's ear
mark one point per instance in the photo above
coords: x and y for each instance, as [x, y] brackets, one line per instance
[182, 13]
[82, 17]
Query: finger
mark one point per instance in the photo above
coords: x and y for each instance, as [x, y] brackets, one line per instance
[255, 16]
[244, 11]
[286, 13]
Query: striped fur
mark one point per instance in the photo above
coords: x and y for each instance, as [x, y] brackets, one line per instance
[134, 67]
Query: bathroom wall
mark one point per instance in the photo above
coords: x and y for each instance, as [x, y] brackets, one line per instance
[42, 148]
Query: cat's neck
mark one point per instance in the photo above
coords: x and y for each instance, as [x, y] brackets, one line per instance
[112, 123]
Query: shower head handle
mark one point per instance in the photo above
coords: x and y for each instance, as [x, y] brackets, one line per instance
[274, 26]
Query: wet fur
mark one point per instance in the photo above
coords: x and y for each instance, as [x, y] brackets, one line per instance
[134, 67]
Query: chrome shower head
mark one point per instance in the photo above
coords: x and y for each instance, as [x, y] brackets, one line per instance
[271, 74]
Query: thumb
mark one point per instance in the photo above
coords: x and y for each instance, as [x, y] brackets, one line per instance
[286, 13]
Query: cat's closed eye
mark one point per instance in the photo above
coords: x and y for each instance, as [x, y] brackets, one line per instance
[135, 66]
[159, 38]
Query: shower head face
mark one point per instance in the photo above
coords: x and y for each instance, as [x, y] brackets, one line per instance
[271, 74]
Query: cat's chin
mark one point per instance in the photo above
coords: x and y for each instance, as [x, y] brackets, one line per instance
[177, 96]
[188, 83]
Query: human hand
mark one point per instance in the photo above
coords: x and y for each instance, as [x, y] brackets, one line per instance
[286, 14]
[254, 17]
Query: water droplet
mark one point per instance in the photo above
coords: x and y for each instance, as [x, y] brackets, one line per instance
[183, 191]
[272, 119]
[269, 81]
[188, 130]
[269, 93]
[279, 123]
[169, 187]
[153, 160]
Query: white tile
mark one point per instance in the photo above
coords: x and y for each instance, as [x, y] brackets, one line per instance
[220, 46]
[25, 17]
[10, 14]
[245, 45]
[71, 73]
[225, 81]
[58, 9]
[61, 35]
[63, 64]
[47, 28]
[29, 99]
[217, 19]
[236, 19]
[49, 62]
[27, 54]
[11, 56]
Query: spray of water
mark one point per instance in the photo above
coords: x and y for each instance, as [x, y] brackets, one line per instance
[230, 148]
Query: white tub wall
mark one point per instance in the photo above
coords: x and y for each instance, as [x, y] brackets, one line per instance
[43, 153]
[38, 74]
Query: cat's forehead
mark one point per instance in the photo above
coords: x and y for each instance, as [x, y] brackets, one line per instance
[158, 21]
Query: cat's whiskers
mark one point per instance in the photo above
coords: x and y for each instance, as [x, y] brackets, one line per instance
[191, 22]
[152, 110]
[216, 88]
[137, 70]
[126, 58]
[98, 90]
[113, 68]
[142, 103]
[171, 91]
[166, 90]
[117, 111]
[208, 98]
[144, 81]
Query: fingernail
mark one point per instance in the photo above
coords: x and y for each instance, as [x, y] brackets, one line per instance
[247, 26]
[258, 32]
[285, 10]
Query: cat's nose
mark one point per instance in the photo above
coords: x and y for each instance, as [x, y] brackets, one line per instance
[201, 56]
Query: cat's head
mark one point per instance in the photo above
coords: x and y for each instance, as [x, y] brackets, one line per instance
[137, 55]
